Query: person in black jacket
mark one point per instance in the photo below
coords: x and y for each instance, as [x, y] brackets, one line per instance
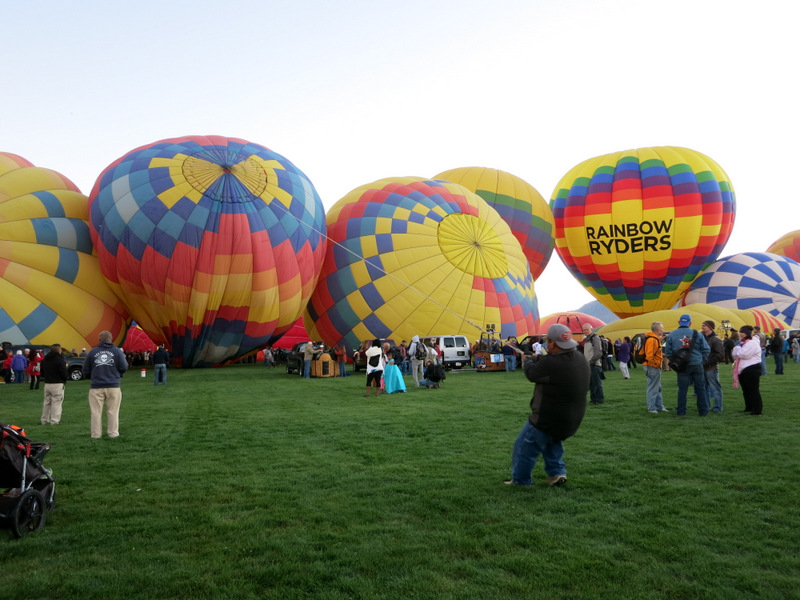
[711, 365]
[54, 373]
[557, 408]
[160, 362]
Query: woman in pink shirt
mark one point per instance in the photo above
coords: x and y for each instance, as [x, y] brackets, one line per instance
[747, 367]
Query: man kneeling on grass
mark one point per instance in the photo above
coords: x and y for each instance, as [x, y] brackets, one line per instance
[557, 408]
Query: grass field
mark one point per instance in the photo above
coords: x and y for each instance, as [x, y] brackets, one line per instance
[244, 482]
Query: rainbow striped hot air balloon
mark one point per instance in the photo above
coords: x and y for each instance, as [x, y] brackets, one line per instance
[409, 256]
[213, 243]
[51, 288]
[520, 205]
[636, 227]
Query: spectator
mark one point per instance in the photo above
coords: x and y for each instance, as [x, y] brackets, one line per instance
[593, 353]
[54, 373]
[684, 337]
[104, 366]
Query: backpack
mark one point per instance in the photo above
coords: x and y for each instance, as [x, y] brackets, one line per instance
[420, 352]
[374, 361]
[680, 359]
[639, 352]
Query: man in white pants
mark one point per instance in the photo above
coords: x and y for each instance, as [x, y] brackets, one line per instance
[54, 373]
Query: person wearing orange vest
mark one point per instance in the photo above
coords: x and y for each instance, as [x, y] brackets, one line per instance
[652, 368]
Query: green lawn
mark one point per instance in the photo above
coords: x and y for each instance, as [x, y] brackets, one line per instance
[244, 482]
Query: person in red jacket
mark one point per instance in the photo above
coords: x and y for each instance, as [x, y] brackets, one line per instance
[34, 368]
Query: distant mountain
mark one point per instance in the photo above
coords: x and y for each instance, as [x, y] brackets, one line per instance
[599, 311]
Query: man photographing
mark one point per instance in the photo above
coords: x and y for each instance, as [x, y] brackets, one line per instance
[557, 408]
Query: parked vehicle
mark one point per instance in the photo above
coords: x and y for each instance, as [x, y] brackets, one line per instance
[359, 361]
[454, 349]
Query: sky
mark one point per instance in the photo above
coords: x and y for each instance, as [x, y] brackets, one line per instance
[356, 91]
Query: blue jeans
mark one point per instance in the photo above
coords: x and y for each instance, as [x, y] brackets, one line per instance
[655, 398]
[162, 370]
[342, 368]
[307, 369]
[714, 389]
[692, 375]
[596, 385]
[763, 361]
[529, 445]
[779, 363]
[509, 362]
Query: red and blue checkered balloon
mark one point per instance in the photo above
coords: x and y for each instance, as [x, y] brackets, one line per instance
[214, 244]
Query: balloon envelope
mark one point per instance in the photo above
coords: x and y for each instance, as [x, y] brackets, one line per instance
[136, 340]
[519, 204]
[787, 245]
[750, 280]
[699, 313]
[636, 227]
[51, 287]
[409, 256]
[573, 320]
[214, 243]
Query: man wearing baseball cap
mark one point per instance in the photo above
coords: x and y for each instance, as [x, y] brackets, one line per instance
[557, 408]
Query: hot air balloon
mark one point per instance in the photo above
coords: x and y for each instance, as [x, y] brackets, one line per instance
[136, 340]
[636, 227]
[213, 243]
[750, 280]
[573, 320]
[521, 206]
[51, 287]
[722, 317]
[409, 256]
[787, 245]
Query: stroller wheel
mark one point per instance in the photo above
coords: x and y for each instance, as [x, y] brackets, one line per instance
[28, 514]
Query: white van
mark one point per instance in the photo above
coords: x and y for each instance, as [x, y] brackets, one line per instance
[455, 350]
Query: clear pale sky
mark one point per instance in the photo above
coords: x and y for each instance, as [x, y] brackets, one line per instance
[352, 92]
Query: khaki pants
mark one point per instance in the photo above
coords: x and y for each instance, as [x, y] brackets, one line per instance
[112, 398]
[51, 409]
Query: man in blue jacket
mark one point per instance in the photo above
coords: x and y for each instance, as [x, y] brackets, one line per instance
[104, 366]
[683, 337]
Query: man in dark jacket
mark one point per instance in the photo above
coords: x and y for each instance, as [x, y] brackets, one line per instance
[54, 372]
[160, 360]
[104, 366]
[711, 364]
[557, 408]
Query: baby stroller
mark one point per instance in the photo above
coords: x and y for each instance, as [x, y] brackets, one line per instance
[27, 488]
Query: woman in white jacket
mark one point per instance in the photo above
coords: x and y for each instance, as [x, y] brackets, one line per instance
[747, 369]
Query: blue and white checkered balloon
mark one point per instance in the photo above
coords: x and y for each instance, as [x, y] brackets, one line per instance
[760, 280]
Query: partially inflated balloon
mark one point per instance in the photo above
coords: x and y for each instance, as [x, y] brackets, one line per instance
[408, 256]
[787, 245]
[751, 280]
[51, 288]
[521, 206]
[574, 320]
[636, 227]
[721, 317]
[214, 243]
